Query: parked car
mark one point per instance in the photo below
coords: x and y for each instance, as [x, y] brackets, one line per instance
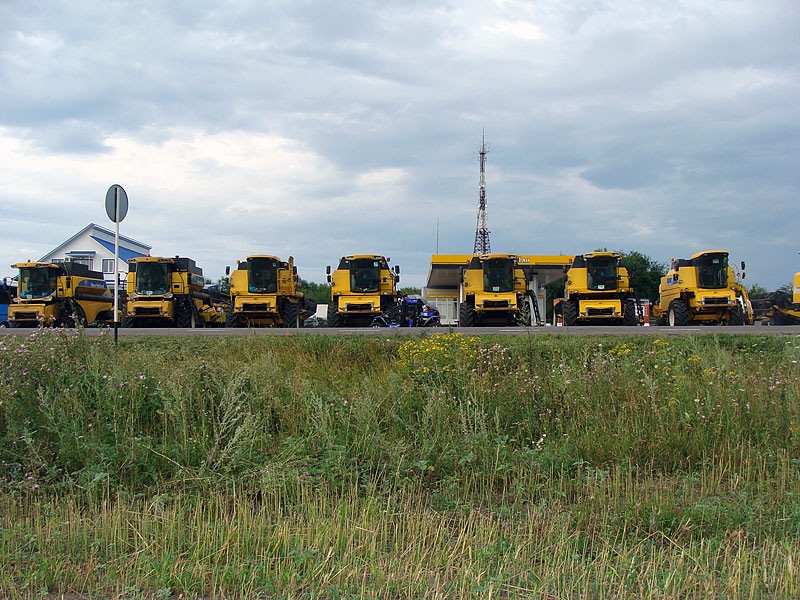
[315, 321]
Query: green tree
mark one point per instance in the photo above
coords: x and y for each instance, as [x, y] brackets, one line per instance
[411, 291]
[319, 292]
[645, 273]
[553, 290]
[224, 285]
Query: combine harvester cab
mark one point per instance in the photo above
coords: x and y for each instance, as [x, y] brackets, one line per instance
[702, 290]
[63, 295]
[166, 292]
[598, 291]
[264, 293]
[363, 287]
[493, 291]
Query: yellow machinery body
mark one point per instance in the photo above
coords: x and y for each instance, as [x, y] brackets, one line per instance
[785, 307]
[363, 287]
[168, 292]
[493, 292]
[264, 293]
[702, 290]
[598, 291]
[61, 294]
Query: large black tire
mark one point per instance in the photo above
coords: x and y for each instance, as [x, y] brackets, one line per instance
[629, 316]
[129, 322]
[736, 316]
[466, 315]
[570, 312]
[187, 314]
[678, 314]
[309, 306]
[290, 314]
[334, 318]
[72, 315]
[231, 318]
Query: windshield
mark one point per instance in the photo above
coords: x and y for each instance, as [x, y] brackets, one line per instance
[152, 278]
[37, 282]
[601, 273]
[498, 275]
[262, 275]
[712, 271]
[365, 275]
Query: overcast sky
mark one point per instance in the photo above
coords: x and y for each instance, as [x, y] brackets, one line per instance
[320, 128]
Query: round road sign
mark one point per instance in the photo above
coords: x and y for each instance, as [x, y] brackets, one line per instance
[116, 203]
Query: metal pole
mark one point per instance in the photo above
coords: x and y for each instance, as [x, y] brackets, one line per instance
[116, 267]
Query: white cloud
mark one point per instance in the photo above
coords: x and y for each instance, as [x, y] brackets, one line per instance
[318, 129]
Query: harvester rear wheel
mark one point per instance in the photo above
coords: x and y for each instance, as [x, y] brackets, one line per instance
[334, 319]
[570, 312]
[466, 315]
[290, 314]
[678, 314]
[629, 316]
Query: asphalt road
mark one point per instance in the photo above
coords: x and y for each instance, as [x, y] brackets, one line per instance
[580, 331]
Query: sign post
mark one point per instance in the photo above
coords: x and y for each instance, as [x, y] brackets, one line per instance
[116, 209]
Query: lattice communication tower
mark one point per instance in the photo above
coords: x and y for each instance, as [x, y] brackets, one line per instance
[482, 245]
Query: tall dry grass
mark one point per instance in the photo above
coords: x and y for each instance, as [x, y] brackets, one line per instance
[388, 467]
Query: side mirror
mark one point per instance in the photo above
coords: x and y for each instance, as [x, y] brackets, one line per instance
[228, 270]
[397, 269]
[329, 278]
[328, 271]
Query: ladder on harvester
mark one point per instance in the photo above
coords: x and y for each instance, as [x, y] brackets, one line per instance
[535, 314]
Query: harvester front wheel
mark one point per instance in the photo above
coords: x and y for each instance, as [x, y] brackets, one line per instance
[678, 314]
[629, 316]
[231, 318]
[570, 312]
[188, 316]
[736, 316]
[290, 314]
[334, 319]
[466, 315]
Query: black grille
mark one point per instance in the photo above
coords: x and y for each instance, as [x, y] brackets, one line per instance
[495, 304]
[255, 307]
[600, 312]
[358, 307]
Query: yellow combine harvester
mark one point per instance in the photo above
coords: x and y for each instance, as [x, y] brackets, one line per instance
[168, 292]
[493, 292]
[702, 290]
[785, 306]
[264, 293]
[598, 291]
[65, 294]
[363, 287]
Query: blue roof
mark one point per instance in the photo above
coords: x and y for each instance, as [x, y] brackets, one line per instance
[124, 253]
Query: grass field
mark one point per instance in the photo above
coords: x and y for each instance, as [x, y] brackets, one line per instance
[396, 467]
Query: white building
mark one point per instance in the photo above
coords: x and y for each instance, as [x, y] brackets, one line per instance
[93, 246]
